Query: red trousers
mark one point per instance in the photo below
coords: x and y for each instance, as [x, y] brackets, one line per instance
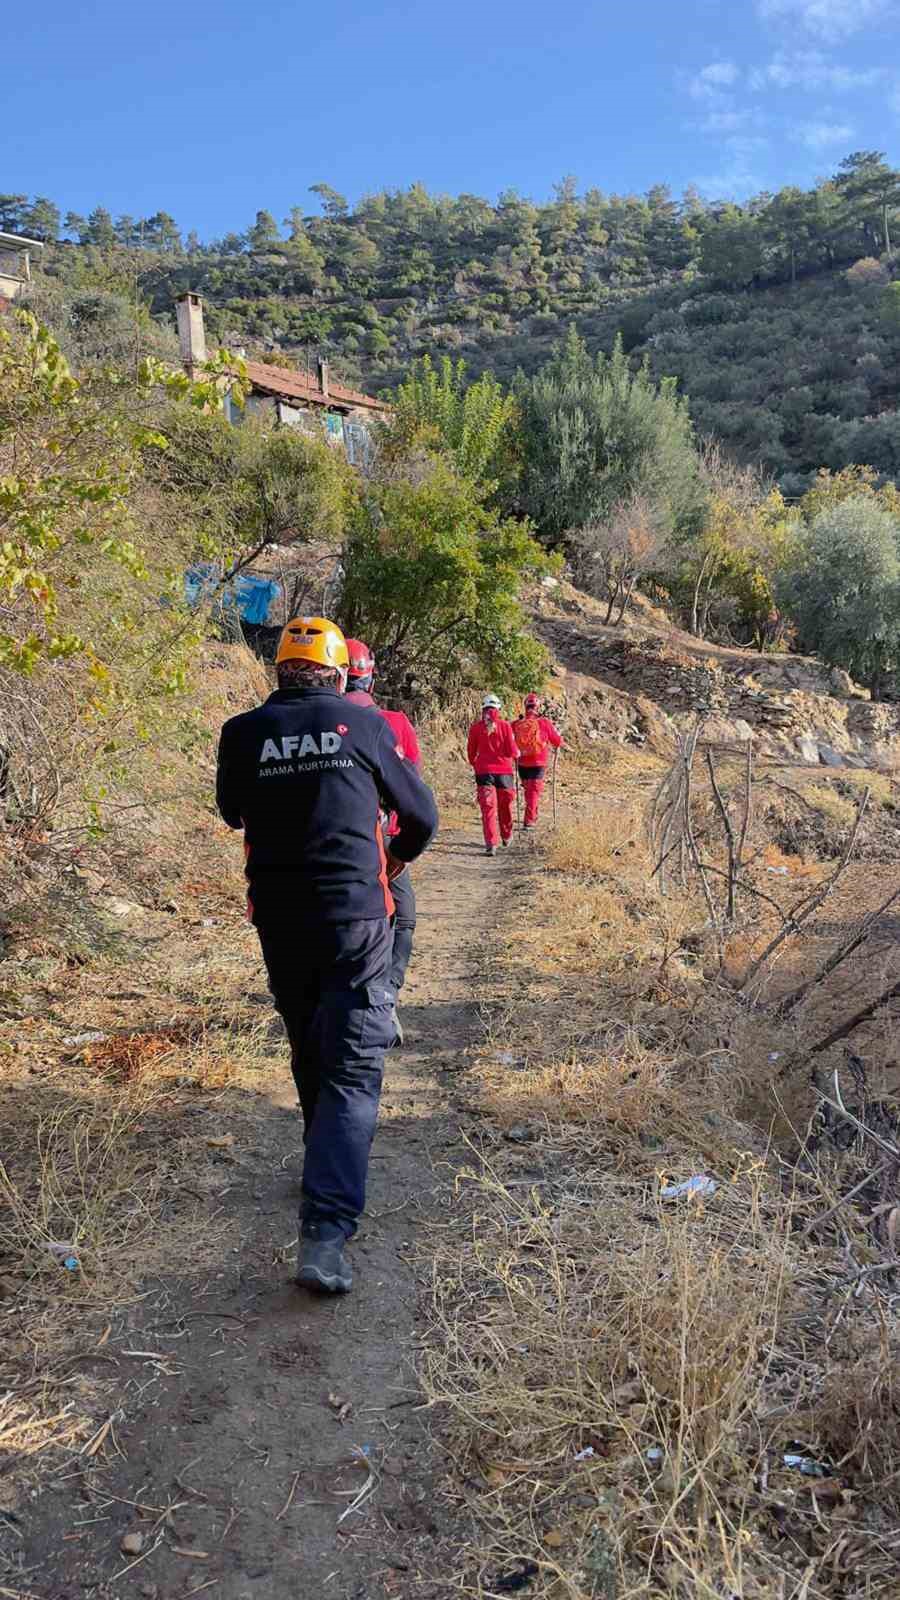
[533, 785]
[496, 797]
[534, 788]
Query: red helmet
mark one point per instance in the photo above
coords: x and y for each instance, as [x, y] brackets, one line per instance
[362, 661]
[531, 700]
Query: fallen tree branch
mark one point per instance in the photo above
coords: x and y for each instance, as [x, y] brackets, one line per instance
[861, 934]
[794, 794]
[837, 1104]
[851, 1194]
[854, 1022]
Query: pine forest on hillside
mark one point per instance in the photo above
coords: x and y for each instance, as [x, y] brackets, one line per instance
[779, 317]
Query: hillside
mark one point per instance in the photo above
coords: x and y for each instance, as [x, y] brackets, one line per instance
[557, 1372]
[714, 295]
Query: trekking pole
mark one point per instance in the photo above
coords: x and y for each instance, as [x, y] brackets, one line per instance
[555, 765]
[517, 799]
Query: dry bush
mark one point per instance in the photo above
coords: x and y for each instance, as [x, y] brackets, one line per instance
[623, 1376]
[595, 844]
[583, 1317]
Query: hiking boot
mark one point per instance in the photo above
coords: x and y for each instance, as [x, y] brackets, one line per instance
[323, 1267]
[505, 843]
[490, 849]
[398, 1030]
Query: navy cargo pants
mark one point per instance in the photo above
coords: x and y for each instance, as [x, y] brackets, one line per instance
[332, 988]
[404, 928]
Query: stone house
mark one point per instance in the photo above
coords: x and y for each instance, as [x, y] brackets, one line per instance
[291, 399]
[15, 264]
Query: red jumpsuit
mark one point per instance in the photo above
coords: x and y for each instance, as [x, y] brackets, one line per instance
[534, 736]
[492, 750]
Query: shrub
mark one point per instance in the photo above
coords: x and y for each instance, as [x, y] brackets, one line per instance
[844, 591]
[433, 579]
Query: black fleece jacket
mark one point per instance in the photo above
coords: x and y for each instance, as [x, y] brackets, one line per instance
[306, 775]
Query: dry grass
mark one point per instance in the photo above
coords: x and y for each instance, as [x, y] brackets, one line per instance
[115, 1153]
[623, 1376]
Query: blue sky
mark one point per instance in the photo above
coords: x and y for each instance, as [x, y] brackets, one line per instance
[211, 111]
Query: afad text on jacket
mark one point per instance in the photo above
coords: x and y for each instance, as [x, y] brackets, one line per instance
[306, 775]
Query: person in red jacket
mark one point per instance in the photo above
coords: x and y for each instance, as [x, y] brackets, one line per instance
[535, 737]
[360, 679]
[492, 751]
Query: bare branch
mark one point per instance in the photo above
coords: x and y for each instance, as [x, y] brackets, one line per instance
[690, 747]
[790, 1002]
[844, 1030]
[729, 833]
[809, 904]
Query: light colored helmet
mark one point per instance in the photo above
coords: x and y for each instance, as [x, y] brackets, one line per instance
[490, 700]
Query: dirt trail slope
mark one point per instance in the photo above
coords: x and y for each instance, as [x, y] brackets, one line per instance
[253, 1410]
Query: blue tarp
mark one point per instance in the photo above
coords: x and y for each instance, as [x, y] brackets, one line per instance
[251, 596]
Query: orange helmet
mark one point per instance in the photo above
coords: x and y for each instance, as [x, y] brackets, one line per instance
[313, 639]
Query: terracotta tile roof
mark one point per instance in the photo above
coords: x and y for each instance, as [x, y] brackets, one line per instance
[290, 385]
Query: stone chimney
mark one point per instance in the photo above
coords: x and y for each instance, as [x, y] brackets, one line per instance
[191, 335]
[322, 367]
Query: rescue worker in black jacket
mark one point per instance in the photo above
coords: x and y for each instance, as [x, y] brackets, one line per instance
[307, 776]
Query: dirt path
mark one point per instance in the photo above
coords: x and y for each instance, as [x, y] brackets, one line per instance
[253, 1410]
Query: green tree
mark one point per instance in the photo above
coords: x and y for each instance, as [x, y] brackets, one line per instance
[870, 190]
[844, 590]
[474, 423]
[726, 572]
[42, 219]
[127, 231]
[70, 455]
[334, 205]
[831, 489]
[13, 210]
[731, 247]
[433, 583]
[244, 489]
[100, 229]
[560, 218]
[77, 224]
[787, 226]
[264, 234]
[161, 232]
[594, 434]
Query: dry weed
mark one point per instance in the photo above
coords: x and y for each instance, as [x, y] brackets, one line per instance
[82, 1183]
[625, 1376]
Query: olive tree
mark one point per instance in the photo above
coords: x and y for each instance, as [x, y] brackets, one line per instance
[844, 590]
